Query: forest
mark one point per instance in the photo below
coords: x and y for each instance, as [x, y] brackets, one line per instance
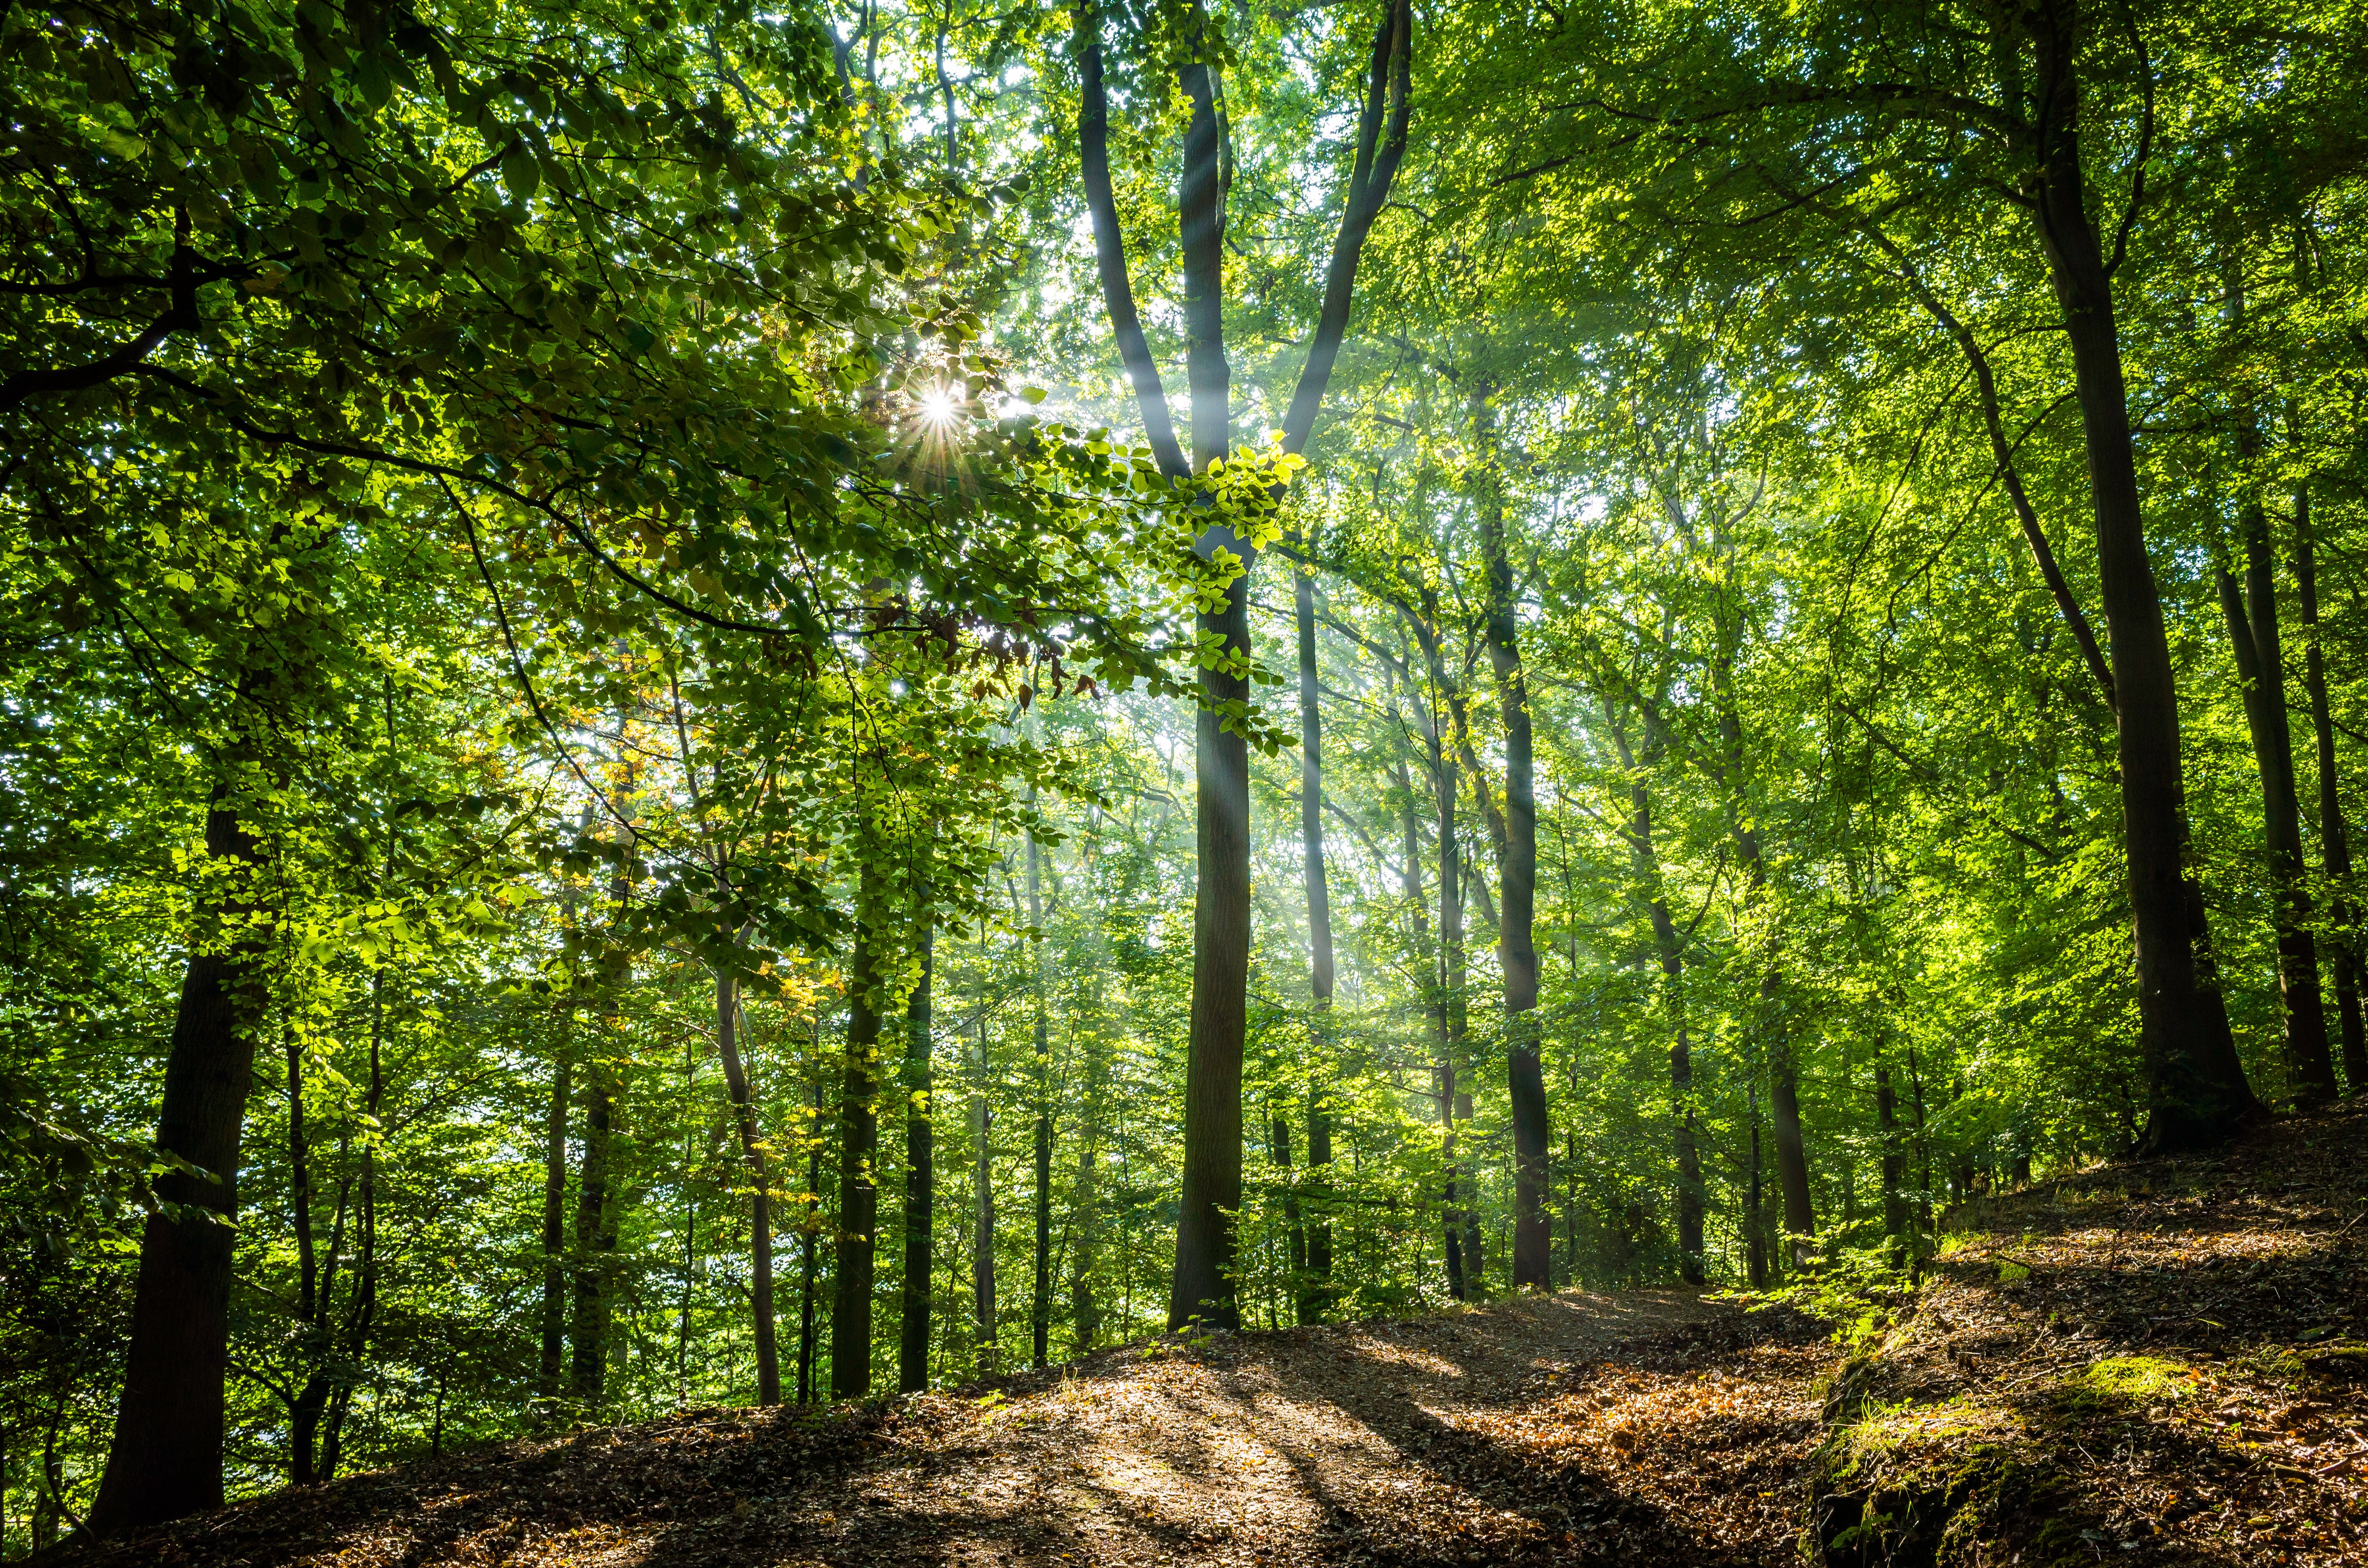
[724, 706]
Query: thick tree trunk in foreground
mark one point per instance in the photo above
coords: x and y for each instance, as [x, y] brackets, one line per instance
[2196, 1085]
[920, 1176]
[760, 1176]
[2334, 836]
[166, 1458]
[858, 1192]
[1315, 1294]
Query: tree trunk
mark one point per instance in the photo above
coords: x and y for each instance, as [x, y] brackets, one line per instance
[2253, 635]
[760, 1175]
[1039, 1307]
[165, 1458]
[2334, 836]
[920, 1175]
[1517, 875]
[595, 1238]
[858, 1193]
[554, 1216]
[2196, 1085]
[1202, 1289]
[1314, 1295]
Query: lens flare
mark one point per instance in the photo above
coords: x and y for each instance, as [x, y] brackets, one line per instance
[937, 406]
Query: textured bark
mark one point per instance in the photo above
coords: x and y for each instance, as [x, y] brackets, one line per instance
[1314, 1295]
[858, 1193]
[595, 1242]
[920, 1175]
[165, 1458]
[760, 1177]
[2196, 1085]
[2334, 836]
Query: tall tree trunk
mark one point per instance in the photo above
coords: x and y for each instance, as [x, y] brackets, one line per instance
[1516, 874]
[362, 1314]
[858, 1192]
[921, 1172]
[1039, 1306]
[165, 1458]
[595, 1231]
[1202, 1289]
[1314, 1295]
[555, 1213]
[2334, 836]
[760, 1175]
[2196, 1085]
[2259, 646]
[2253, 635]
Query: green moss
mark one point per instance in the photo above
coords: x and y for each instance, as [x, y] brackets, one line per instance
[2142, 1379]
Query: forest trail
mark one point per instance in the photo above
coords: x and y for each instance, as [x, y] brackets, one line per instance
[2151, 1363]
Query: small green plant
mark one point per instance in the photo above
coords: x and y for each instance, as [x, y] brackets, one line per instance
[1855, 1290]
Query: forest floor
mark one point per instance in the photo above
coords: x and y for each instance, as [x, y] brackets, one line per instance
[2149, 1363]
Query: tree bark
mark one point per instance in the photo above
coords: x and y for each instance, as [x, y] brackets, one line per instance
[165, 1461]
[2334, 838]
[920, 1173]
[595, 1240]
[2253, 636]
[2196, 1084]
[1315, 1294]
[1516, 874]
[858, 1193]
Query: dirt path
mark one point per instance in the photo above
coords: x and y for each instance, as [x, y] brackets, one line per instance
[1637, 1426]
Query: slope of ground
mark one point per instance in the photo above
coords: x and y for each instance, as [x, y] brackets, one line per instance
[1639, 1427]
[2141, 1364]
[2155, 1362]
